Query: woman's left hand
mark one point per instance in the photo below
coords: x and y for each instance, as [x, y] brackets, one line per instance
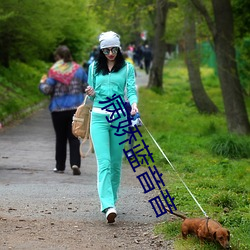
[134, 109]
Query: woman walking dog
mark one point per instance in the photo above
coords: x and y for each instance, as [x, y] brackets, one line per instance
[109, 75]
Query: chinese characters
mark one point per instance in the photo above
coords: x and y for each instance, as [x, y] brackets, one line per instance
[139, 155]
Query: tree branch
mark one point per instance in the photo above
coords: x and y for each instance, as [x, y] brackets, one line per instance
[202, 9]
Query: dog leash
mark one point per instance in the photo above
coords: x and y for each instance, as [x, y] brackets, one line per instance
[174, 170]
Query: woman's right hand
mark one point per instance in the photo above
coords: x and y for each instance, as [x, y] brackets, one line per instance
[90, 91]
[134, 109]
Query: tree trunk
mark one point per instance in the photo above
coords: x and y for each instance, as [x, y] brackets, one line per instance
[201, 99]
[233, 97]
[223, 38]
[159, 46]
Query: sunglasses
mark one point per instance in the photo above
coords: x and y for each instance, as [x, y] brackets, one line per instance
[106, 51]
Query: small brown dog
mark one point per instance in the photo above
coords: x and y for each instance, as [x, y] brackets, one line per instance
[204, 229]
[213, 230]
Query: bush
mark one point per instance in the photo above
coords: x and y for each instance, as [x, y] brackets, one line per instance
[224, 200]
[19, 88]
[231, 146]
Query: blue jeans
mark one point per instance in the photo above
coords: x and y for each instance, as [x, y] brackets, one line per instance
[109, 158]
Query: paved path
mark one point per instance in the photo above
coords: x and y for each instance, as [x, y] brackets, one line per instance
[141, 78]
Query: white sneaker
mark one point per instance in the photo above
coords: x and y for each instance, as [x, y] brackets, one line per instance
[58, 171]
[76, 170]
[111, 214]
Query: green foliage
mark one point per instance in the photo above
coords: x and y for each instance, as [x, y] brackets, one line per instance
[219, 183]
[231, 146]
[174, 25]
[224, 200]
[170, 231]
[19, 87]
[242, 37]
[29, 33]
[210, 129]
[243, 59]
[208, 58]
[241, 17]
[128, 18]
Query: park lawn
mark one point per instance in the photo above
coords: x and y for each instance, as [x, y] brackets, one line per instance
[19, 89]
[190, 141]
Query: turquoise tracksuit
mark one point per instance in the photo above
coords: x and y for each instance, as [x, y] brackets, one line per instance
[106, 145]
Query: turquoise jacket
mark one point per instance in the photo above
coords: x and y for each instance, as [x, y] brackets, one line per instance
[120, 83]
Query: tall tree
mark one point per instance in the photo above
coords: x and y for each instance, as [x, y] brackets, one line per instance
[201, 99]
[223, 38]
[159, 44]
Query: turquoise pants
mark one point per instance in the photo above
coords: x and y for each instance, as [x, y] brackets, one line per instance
[109, 158]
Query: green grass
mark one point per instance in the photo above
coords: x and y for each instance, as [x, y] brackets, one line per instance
[214, 164]
[19, 88]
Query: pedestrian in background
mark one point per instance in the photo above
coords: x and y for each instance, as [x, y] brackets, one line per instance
[92, 57]
[138, 54]
[147, 54]
[109, 75]
[65, 84]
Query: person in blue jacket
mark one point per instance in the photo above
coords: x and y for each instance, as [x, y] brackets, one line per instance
[109, 75]
[65, 83]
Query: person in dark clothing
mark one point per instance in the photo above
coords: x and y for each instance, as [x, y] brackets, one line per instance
[93, 55]
[65, 83]
[138, 56]
[147, 55]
